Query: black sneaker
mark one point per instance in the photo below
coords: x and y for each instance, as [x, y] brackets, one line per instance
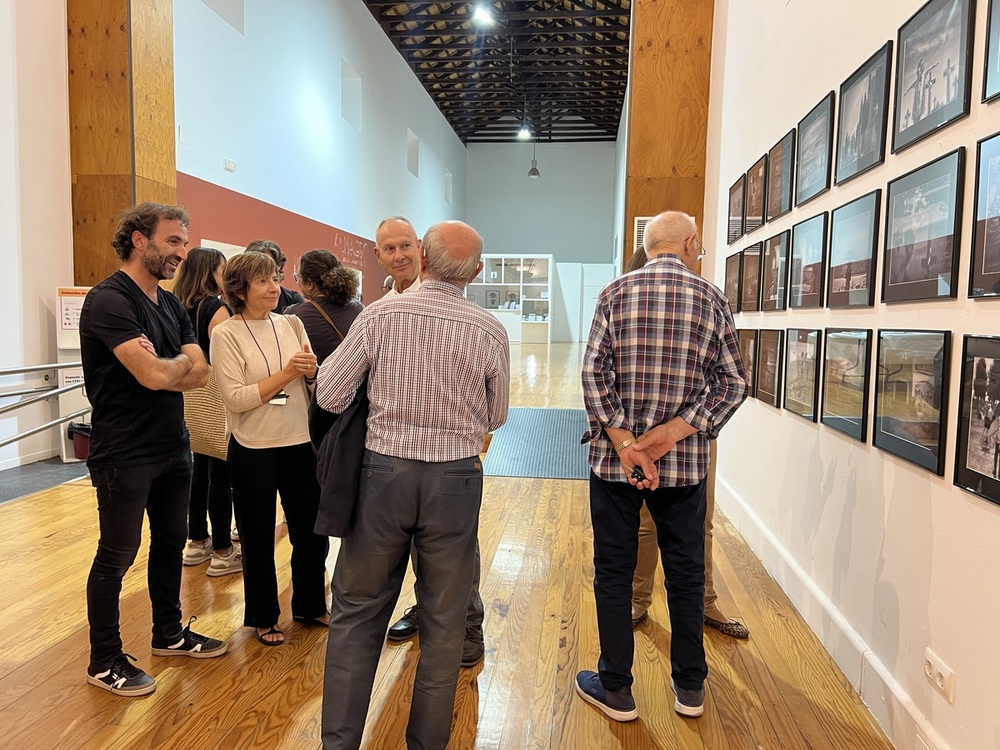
[121, 677]
[473, 649]
[615, 704]
[689, 703]
[191, 644]
[406, 626]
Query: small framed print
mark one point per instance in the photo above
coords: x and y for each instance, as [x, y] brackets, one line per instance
[846, 364]
[769, 359]
[977, 458]
[748, 352]
[733, 263]
[853, 242]
[773, 272]
[802, 347]
[933, 70]
[750, 278]
[922, 227]
[756, 195]
[984, 277]
[736, 195]
[911, 396]
[813, 155]
[780, 173]
[864, 114]
[991, 73]
[807, 262]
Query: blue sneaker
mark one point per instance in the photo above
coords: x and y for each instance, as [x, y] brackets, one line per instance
[615, 704]
[690, 703]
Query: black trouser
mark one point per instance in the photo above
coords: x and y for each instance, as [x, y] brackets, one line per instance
[257, 474]
[211, 496]
[161, 490]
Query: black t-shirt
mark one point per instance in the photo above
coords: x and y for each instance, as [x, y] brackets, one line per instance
[131, 423]
[209, 306]
[287, 298]
[322, 337]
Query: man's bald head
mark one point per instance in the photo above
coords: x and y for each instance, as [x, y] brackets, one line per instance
[452, 252]
[671, 229]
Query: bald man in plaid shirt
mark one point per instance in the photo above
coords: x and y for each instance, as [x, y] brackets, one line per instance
[438, 372]
[661, 375]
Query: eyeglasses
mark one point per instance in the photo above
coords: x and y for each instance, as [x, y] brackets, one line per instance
[701, 250]
[295, 274]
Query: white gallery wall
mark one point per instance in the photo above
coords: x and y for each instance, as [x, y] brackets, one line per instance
[315, 109]
[883, 558]
[36, 225]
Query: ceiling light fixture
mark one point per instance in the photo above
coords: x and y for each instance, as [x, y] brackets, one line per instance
[483, 16]
[524, 134]
[533, 173]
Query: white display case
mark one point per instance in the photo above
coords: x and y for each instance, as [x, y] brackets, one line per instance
[518, 290]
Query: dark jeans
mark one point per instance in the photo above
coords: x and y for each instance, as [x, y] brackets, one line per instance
[434, 506]
[679, 514]
[257, 475]
[211, 495]
[161, 490]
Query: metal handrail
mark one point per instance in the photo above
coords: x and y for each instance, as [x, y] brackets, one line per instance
[39, 368]
[42, 428]
[49, 393]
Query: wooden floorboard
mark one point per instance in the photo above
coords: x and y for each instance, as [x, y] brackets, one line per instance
[780, 690]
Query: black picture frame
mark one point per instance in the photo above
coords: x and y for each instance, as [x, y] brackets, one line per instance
[756, 197]
[773, 272]
[770, 357]
[780, 176]
[977, 451]
[802, 351]
[938, 37]
[864, 116]
[984, 273]
[750, 278]
[814, 151]
[991, 61]
[911, 396]
[807, 263]
[847, 359]
[733, 281]
[923, 224]
[850, 280]
[736, 195]
[747, 338]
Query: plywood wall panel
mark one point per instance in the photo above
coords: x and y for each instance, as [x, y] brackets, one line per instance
[98, 200]
[153, 92]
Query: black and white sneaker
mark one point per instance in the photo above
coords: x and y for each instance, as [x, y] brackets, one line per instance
[121, 677]
[191, 644]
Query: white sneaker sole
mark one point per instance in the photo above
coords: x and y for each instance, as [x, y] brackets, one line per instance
[192, 654]
[135, 693]
[216, 572]
[611, 713]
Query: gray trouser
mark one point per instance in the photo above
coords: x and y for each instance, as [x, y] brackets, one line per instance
[474, 610]
[436, 507]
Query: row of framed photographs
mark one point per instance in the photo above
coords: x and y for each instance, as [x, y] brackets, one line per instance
[786, 368]
[794, 269]
[933, 83]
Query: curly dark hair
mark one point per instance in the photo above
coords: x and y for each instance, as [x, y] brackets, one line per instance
[144, 218]
[268, 247]
[240, 272]
[335, 281]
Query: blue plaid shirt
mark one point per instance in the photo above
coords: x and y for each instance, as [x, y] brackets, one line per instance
[662, 345]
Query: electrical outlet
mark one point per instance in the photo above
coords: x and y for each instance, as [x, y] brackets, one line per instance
[229, 165]
[939, 675]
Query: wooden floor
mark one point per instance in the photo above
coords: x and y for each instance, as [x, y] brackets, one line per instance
[779, 690]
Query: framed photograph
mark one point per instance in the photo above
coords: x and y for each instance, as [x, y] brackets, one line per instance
[802, 348]
[991, 73]
[922, 231]
[733, 264]
[750, 279]
[853, 243]
[769, 359]
[813, 154]
[984, 277]
[911, 396]
[774, 264]
[748, 351]
[977, 459]
[780, 173]
[845, 381]
[756, 191]
[736, 195]
[807, 262]
[933, 70]
[864, 114]
[492, 299]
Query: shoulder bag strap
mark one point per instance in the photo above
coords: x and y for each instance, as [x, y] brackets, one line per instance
[328, 318]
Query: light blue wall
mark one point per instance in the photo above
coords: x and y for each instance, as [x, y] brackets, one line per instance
[269, 99]
[567, 212]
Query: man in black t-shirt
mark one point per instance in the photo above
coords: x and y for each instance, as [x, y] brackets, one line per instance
[139, 353]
